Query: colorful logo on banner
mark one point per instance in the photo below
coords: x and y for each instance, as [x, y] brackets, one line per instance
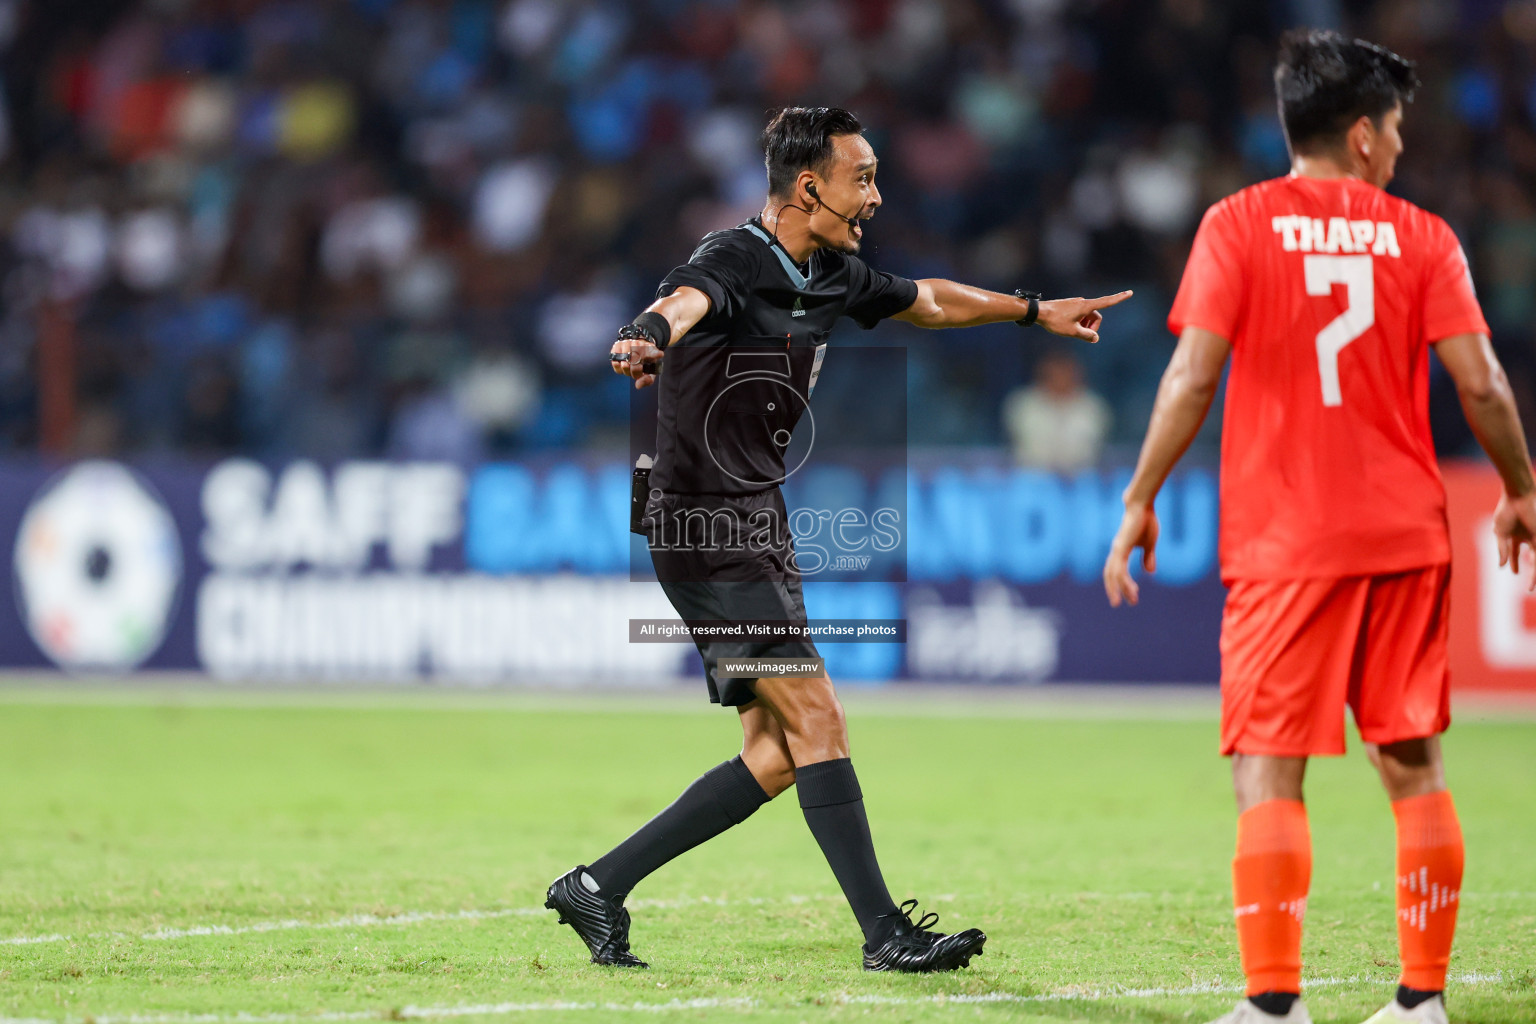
[98, 566]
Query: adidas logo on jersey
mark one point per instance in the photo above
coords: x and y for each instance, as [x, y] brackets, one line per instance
[798, 309]
[1336, 234]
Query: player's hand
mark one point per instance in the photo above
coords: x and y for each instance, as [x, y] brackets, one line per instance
[1514, 524]
[639, 360]
[1077, 318]
[1138, 529]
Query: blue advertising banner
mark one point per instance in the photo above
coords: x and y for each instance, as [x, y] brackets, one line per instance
[521, 572]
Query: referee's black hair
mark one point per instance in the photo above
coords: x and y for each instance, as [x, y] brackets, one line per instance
[1326, 82]
[801, 137]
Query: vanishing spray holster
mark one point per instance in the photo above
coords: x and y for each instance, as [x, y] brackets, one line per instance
[639, 494]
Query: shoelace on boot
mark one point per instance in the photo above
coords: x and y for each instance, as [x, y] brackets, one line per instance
[618, 938]
[921, 925]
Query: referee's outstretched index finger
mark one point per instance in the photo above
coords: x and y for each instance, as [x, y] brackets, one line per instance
[1105, 301]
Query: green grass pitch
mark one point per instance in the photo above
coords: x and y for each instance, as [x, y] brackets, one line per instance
[183, 859]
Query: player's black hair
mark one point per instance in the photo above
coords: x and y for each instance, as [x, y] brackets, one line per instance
[801, 137]
[1326, 82]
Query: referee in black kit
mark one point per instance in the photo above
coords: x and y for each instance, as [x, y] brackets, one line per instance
[742, 327]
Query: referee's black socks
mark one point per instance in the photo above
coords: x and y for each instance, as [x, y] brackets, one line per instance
[725, 795]
[834, 809]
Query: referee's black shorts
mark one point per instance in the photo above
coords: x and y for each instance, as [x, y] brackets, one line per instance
[729, 558]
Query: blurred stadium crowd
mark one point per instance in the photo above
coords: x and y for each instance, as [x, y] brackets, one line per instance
[350, 227]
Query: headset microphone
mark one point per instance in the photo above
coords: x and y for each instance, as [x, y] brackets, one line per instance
[810, 189]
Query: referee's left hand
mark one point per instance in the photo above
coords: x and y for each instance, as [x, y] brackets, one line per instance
[1077, 318]
[639, 360]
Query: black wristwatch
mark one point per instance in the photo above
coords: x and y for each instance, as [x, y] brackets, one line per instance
[1034, 307]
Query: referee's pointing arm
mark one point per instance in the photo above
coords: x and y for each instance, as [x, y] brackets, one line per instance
[942, 303]
[939, 303]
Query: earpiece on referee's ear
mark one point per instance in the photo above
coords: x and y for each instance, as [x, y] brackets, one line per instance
[810, 190]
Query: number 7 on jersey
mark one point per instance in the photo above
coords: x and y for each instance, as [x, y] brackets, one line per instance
[1359, 279]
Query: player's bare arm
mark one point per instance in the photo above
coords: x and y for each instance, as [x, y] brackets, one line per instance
[942, 303]
[1489, 405]
[637, 357]
[1183, 400]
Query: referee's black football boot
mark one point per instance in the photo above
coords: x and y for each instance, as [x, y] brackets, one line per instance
[602, 924]
[916, 949]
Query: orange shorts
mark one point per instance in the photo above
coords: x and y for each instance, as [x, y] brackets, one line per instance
[1295, 652]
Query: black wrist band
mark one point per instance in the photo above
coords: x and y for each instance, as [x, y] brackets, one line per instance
[651, 326]
[1028, 320]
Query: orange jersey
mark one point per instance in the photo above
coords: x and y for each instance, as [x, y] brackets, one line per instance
[1331, 292]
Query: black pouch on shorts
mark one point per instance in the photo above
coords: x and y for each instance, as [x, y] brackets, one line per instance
[639, 493]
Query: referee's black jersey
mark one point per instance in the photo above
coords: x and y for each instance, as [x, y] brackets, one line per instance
[734, 387]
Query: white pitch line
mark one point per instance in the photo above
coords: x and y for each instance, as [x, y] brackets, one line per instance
[420, 916]
[349, 921]
[27, 940]
[399, 1013]
[1122, 992]
[509, 1009]
[378, 920]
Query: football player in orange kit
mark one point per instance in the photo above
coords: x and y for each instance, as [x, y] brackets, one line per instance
[1327, 293]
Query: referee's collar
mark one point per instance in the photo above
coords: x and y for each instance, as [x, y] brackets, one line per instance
[801, 279]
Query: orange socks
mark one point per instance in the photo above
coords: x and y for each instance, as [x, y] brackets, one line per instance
[1273, 869]
[1429, 862]
[1270, 876]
